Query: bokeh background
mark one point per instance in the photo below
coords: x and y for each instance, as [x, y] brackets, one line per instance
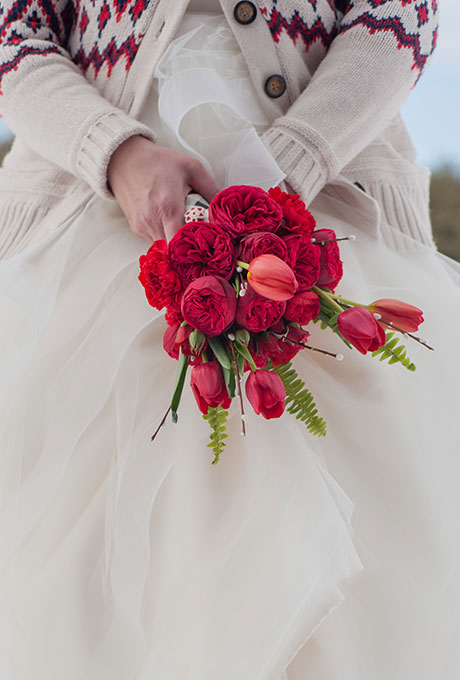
[432, 116]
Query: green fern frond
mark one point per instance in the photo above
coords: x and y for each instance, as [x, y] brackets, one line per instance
[393, 352]
[299, 400]
[217, 419]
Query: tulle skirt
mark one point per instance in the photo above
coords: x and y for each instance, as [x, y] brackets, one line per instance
[123, 559]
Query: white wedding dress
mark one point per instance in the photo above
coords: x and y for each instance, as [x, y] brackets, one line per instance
[293, 558]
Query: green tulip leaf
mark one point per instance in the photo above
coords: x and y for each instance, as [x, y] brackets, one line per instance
[180, 380]
[220, 352]
[244, 352]
[230, 382]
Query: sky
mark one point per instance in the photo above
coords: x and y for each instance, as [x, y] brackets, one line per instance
[432, 111]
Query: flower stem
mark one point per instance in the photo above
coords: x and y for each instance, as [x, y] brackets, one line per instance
[240, 393]
[314, 349]
[160, 425]
[329, 298]
[351, 303]
[242, 264]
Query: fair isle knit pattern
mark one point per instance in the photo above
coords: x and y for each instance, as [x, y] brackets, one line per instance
[74, 75]
[317, 22]
[94, 33]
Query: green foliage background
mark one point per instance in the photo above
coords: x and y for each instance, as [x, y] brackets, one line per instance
[444, 205]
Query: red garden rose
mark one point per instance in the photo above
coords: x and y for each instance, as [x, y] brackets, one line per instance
[209, 305]
[296, 218]
[202, 249]
[161, 283]
[359, 327]
[331, 265]
[261, 243]
[268, 346]
[261, 346]
[173, 315]
[208, 386]
[283, 351]
[242, 209]
[304, 258]
[257, 313]
[265, 391]
[302, 308]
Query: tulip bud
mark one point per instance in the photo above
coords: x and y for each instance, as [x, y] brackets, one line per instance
[265, 391]
[404, 316]
[272, 278]
[197, 341]
[175, 338]
[243, 336]
[208, 386]
[358, 326]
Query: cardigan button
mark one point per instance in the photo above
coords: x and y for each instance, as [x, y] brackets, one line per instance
[245, 12]
[275, 86]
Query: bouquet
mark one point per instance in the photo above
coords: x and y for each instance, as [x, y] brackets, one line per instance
[241, 282]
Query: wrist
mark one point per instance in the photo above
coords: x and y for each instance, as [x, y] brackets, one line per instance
[122, 158]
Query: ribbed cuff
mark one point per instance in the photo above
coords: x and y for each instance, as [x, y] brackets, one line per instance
[303, 170]
[91, 156]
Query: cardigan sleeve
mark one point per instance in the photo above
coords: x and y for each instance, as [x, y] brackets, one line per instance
[372, 64]
[46, 100]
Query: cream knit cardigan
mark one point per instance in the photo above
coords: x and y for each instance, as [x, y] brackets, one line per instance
[74, 76]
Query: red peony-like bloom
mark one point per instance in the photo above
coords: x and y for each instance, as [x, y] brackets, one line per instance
[208, 386]
[202, 249]
[304, 258]
[262, 243]
[271, 277]
[173, 316]
[302, 308]
[359, 327]
[209, 305]
[284, 350]
[261, 346]
[331, 265]
[161, 283]
[297, 218]
[241, 210]
[257, 313]
[266, 394]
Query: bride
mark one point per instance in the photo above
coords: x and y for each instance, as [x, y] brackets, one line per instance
[292, 558]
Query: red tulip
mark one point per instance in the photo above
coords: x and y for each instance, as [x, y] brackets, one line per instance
[208, 386]
[272, 278]
[404, 316]
[265, 391]
[176, 337]
[360, 328]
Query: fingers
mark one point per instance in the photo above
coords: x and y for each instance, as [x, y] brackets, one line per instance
[157, 206]
[201, 181]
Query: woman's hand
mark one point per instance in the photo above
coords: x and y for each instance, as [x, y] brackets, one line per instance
[150, 183]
